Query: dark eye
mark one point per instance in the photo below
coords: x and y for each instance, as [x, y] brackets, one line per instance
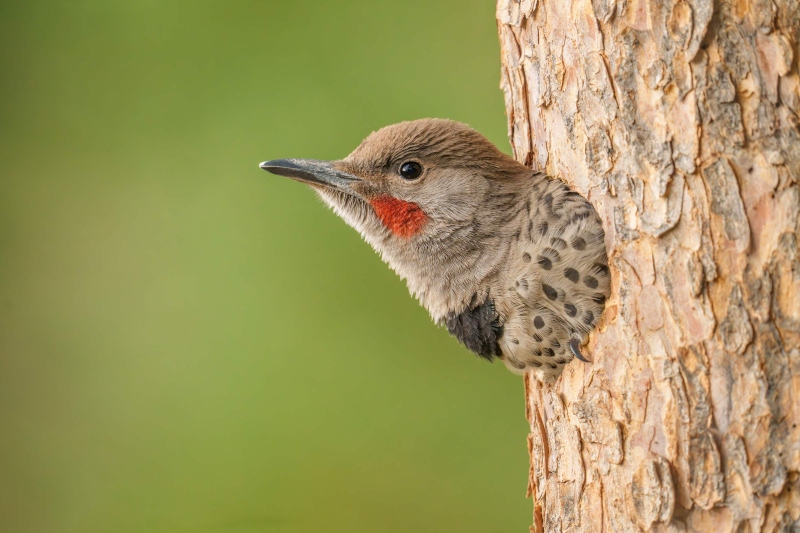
[410, 170]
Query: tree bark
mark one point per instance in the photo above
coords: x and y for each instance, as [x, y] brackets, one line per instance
[678, 119]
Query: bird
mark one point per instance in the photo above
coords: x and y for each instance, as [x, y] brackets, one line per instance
[511, 261]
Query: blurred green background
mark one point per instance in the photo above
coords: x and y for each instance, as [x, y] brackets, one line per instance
[188, 343]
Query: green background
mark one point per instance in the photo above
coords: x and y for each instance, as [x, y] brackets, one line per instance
[188, 343]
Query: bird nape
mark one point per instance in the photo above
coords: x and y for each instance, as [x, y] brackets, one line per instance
[512, 262]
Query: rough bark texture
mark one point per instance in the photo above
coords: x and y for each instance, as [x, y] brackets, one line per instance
[678, 119]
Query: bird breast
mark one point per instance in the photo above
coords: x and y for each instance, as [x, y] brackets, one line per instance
[556, 281]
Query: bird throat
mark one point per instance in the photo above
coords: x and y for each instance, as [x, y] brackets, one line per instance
[402, 218]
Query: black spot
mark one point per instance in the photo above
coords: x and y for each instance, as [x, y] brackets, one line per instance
[514, 341]
[572, 275]
[560, 361]
[554, 343]
[537, 337]
[572, 194]
[570, 309]
[599, 299]
[552, 253]
[477, 328]
[600, 268]
[523, 283]
[537, 352]
[549, 352]
[516, 364]
[549, 291]
[590, 282]
[530, 228]
[577, 217]
[552, 365]
[537, 364]
[548, 200]
[588, 318]
[558, 243]
[543, 227]
[545, 262]
[578, 243]
[526, 257]
[538, 322]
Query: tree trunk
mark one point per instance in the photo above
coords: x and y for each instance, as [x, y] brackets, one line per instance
[678, 119]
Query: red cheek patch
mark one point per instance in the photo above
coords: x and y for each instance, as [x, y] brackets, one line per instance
[404, 219]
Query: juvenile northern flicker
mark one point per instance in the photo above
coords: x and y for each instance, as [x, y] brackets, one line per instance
[510, 261]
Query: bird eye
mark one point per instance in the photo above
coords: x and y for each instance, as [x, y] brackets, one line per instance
[410, 170]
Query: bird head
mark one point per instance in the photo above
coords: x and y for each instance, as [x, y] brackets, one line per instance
[427, 195]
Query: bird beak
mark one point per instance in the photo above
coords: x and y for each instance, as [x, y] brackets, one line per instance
[311, 171]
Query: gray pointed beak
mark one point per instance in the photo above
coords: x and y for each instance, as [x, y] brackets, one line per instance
[311, 171]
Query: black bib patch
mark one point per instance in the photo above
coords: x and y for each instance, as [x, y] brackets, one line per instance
[478, 329]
